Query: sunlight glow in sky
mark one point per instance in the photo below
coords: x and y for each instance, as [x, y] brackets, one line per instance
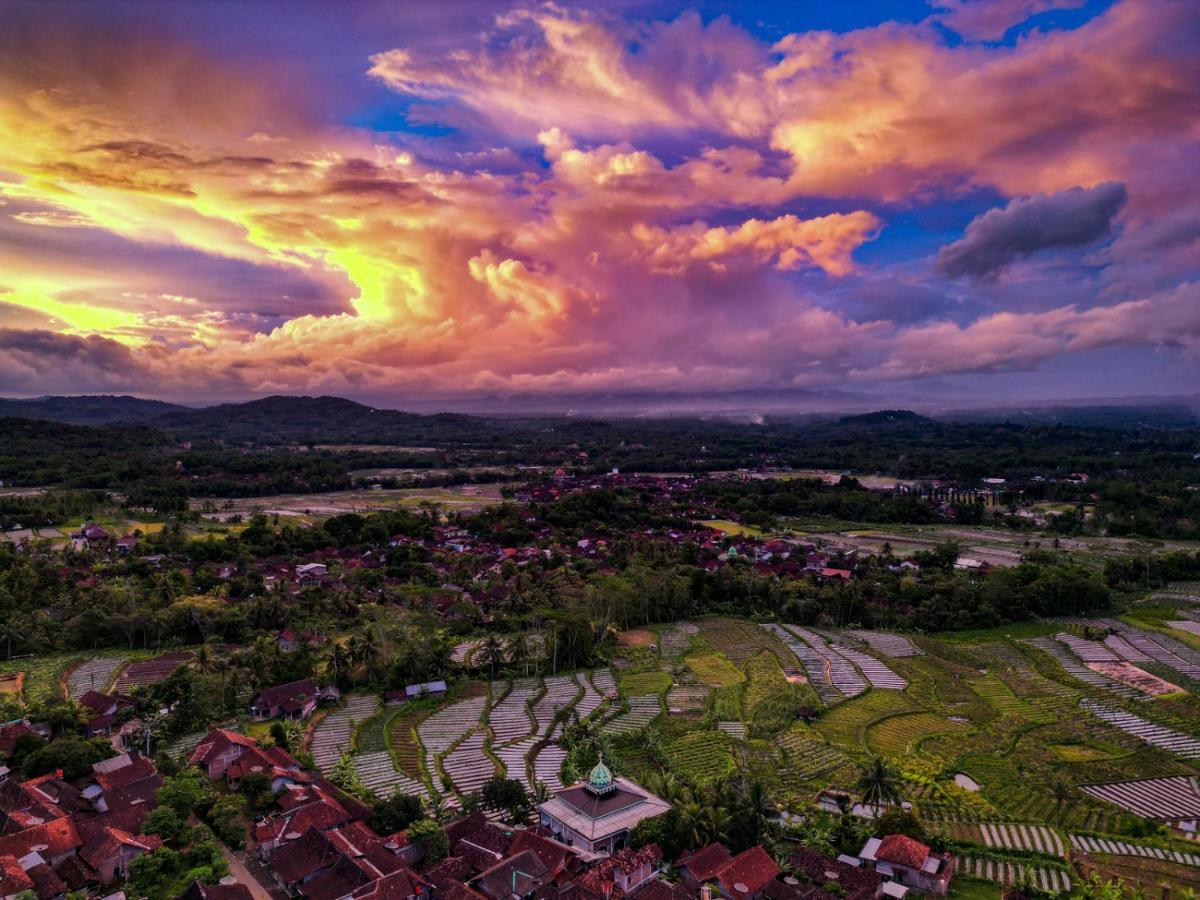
[386, 201]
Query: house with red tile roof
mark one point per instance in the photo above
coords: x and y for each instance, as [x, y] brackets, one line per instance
[746, 875]
[233, 756]
[621, 874]
[295, 700]
[909, 862]
[198, 890]
[700, 866]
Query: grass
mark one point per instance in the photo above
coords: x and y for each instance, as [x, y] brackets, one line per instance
[637, 684]
[734, 528]
[1077, 753]
[1004, 701]
[964, 888]
[714, 669]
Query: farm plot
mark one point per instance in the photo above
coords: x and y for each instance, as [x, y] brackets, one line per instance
[1155, 735]
[1159, 647]
[561, 693]
[509, 718]
[467, 764]
[1128, 673]
[462, 653]
[1152, 798]
[702, 757]
[591, 700]
[639, 683]
[150, 671]
[333, 735]
[604, 683]
[1022, 837]
[898, 736]
[740, 640]
[845, 725]
[1121, 848]
[813, 662]
[547, 765]
[1048, 878]
[441, 730]
[896, 646]
[92, 675]
[1073, 667]
[1088, 651]
[1001, 698]
[804, 756]
[516, 759]
[687, 698]
[379, 775]
[1186, 625]
[676, 639]
[876, 672]
[840, 671]
[736, 730]
[402, 738]
[713, 669]
[642, 711]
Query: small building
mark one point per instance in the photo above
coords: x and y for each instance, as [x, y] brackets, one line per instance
[908, 862]
[311, 573]
[428, 689]
[295, 700]
[597, 815]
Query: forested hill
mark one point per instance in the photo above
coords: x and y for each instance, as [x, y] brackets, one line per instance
[99, 409]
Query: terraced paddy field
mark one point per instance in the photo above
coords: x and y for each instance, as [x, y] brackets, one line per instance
[898, 736]
[701, 757]
[845, 726]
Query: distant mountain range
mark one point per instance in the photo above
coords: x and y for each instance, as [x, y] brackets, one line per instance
[298, 419]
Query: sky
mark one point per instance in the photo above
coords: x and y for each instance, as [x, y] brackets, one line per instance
[444, 203]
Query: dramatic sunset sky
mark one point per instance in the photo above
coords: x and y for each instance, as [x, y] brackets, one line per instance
[437, 201]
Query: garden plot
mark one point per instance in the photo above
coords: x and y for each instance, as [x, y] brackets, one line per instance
[462, 653]
[591, 699]
[333, 735]
[1155, 735]
[898, 736]
[1073, 667]
[1159, 647]
[804, 757]
[733, 729]
[876, 672]
[1048, 878]
[813, 662]
[1128, 673]
[1152, 798]
[92, 675]
[441, 730]
[845, 725]
[510, 717]
[839, 670]
[676, 640]
[603, 680]
[151, 671]
[687, 698]
[1004, 701]
[1124, 649]
[547, 765]
[1022, 837]
[702, 757]
[561, 693]
[467, 764]
[896, 646]
[1120, 848]
[642, 711]
[379, 775]
[1186, 625]
[516, 759]
[1088, 651]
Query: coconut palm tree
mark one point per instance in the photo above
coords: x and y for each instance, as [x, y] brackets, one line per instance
[880, 784]
[1060, 790]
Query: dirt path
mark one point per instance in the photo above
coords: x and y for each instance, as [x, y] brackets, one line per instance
[261, 886]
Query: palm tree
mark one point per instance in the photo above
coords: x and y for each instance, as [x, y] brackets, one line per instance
[1060, 790]
[879, 784]
[204, 660]
[492, 651]
[9, 632]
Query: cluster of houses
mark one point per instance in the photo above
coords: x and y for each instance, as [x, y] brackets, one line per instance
[59, 835]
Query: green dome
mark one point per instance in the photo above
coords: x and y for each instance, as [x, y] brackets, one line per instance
[601, 776]
[601, 779]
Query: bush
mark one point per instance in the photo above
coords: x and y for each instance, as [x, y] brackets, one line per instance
[165, 822]
[225, 819]
[437, 845]
[395, 813]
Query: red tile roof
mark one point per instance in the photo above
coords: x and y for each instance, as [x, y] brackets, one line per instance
[13, 879]
[703, 864]
[748, 872]
[903, 850]
[59, 836]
